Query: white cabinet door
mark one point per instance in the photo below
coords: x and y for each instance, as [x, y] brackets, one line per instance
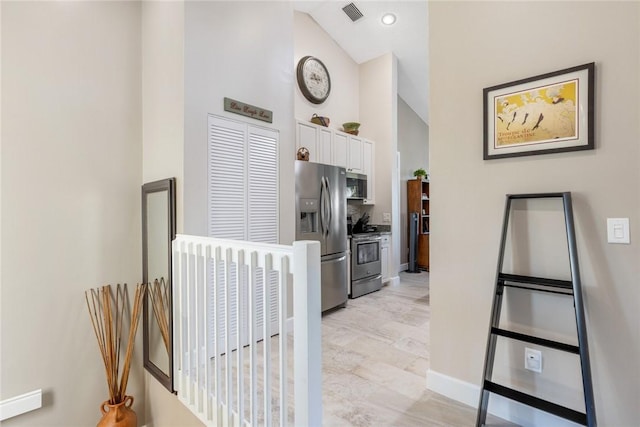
[340, 151]
[306, 137]
[262, 185]
[354, 157]
[384, 257]
[368, 153]
[325, 151]
[227, 178]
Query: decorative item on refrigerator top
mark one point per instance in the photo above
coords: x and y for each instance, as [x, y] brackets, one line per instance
[351, 127]
[303, 154]
[320, 120]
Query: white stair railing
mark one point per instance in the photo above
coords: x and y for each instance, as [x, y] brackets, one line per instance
[232, 348]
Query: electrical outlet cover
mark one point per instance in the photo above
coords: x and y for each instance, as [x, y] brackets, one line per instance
[533, 360]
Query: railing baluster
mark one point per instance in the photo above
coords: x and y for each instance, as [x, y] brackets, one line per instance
[176, 260]
[266, 335]
[198, 326]
[239, 341]
[216, 331]
[191, 370]
[227, 330]
[282, 321]
[253, 324]
[206, 252]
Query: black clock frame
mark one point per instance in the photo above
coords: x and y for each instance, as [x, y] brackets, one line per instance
[303, 88]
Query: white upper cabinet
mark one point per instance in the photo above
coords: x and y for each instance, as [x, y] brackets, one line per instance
[325, 147]
[341, 154]
[333, 147]
[354, 157]
[318, 140]
[306, 137]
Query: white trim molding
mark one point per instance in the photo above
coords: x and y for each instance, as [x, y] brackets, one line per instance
[19, 405]
[469, 394]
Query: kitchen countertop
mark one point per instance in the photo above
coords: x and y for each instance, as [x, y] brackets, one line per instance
[382, 228]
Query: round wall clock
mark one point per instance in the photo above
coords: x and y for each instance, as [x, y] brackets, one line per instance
[313, 79]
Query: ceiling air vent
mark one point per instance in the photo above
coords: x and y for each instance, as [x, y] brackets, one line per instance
[352, 12]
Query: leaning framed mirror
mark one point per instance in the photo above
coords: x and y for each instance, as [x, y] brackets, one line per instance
[158, 231]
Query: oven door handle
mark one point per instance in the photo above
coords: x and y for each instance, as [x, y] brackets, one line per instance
[367, 240]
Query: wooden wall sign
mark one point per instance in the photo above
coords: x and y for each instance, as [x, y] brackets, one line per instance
[237, 107]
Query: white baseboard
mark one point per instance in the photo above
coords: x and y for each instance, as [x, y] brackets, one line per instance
[453, 388]
[404, 267]
[19, 405]
[394, 281]
[469, 394]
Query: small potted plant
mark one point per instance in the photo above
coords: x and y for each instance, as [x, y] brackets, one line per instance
[420, 174]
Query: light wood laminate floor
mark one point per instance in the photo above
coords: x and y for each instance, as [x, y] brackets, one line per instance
[375, 359]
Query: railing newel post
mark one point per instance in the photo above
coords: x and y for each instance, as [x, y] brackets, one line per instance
[307, 335]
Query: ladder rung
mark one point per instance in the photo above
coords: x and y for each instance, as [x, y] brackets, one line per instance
[529, 280]
[535, 196]
[527, 399]
[536, 340]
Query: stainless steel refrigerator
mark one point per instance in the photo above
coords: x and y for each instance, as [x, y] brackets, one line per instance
[321, 214]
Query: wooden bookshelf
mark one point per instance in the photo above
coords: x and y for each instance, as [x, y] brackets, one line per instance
[418, 201]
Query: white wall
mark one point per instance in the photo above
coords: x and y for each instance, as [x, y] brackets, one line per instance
[378, 112]
[413, 145]
[162, 149]
[244, 51]
[472, 46]
[71, 157]
[343, 103]
[163, 94]
[379, 115]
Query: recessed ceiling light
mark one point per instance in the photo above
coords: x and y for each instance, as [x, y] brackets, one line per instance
[388, 19]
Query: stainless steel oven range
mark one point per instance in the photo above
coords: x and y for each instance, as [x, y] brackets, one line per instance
[366, 267]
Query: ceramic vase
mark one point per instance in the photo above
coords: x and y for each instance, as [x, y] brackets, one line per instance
[118, 415]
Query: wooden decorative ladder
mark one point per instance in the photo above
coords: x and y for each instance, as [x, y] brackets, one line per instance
[537, 284]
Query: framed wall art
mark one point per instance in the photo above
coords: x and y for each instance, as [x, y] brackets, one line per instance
[549, 113]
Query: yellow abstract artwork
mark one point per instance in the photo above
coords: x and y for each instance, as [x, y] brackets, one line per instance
[537, 116]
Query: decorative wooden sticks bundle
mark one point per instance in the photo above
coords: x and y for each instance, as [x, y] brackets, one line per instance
[159, 294]
[107, 314]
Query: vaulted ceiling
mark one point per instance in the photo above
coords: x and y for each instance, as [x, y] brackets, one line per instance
[368, 38]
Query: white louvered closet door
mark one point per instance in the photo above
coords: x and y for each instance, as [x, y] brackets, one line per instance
[263, 209]
[243, 205]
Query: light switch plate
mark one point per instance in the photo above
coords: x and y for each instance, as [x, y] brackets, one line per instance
[618, 230]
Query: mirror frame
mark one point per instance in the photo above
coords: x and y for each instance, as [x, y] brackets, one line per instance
[169, 186]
